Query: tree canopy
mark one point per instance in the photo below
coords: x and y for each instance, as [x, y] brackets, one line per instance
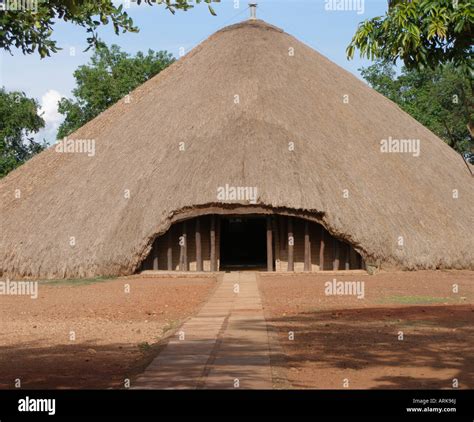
[20, 120]
[31, 29]
[441, 98]
[110, 75]
[421, 33]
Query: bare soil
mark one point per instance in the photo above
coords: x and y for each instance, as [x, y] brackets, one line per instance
[344, 342]
[116, 333]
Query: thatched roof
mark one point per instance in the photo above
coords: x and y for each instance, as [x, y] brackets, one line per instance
[283, 98]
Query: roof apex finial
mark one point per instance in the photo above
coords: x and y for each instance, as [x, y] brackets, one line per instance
[253, 11]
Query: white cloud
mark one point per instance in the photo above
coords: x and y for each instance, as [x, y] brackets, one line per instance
[49, 106]
[49, 112]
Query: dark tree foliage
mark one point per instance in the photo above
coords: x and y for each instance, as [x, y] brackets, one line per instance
[31, 29]
[19, 121]
[110, 75]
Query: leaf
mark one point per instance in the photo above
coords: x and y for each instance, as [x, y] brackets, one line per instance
[213, 13]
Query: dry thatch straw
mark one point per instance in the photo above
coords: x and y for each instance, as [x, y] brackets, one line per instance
[283, 98]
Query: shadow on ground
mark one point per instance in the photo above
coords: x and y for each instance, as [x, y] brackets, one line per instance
[83, 365]
[363, 345]
[359, 344]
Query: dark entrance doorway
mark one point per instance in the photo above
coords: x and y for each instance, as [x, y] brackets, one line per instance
[243, 243]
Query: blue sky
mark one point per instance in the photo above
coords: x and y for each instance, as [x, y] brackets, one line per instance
[48, 79]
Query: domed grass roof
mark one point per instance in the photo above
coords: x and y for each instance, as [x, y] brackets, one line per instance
[250, 106]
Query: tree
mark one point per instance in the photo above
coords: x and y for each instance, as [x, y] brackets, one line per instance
[30, 28]
[20, 120]
[439, 98]
[421, 33]
[110, 75]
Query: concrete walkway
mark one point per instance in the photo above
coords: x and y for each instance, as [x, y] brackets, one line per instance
[225, 346]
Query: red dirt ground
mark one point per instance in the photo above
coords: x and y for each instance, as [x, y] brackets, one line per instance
[116, 332]
[339, 338]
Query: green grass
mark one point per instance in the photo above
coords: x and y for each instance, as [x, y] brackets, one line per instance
[144, 347]
[415, 300]
[74, 282]
[171, 325]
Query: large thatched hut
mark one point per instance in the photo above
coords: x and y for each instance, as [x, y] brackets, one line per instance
[252, 150]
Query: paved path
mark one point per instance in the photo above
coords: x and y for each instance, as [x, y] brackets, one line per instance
[224, 346]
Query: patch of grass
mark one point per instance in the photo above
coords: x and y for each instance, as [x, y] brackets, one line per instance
[415, 300]
[144, 347]
[420, 323]
[314, 310]
[409, 323]
[171, 325]
[74, 282]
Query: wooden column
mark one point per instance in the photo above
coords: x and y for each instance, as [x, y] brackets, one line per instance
[321, 249]
[276, 241]
[169, 251]
[198, 245]
[213, 243]
[155, 255]
[347, 263]
[269, 245]
[218, 241]
[335, 265]
[291, 242]
[307, 247]
[183, 257]
[353, 258]
[185, 235]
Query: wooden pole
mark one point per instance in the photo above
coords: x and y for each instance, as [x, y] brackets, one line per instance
[185, 235]
[335, 265]
[269, 245]
[198, 245]
[276, 240]
[213, 243]
[321, 249]
[218, 241]
[155, 255]
[169, 252]
[347, 264]
[181, 249]
[183, 258]
[307, 247]
[353, 258]
[291, 242]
